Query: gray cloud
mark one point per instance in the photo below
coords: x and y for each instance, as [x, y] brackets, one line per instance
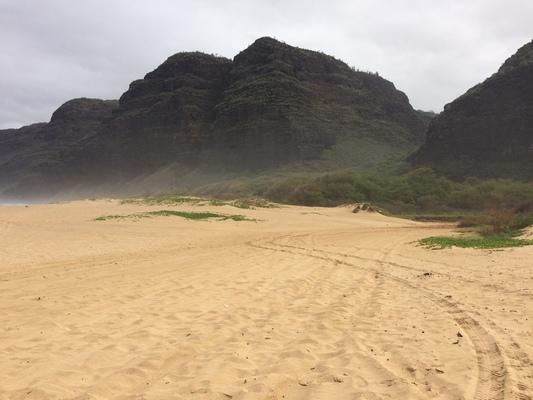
[55, 50]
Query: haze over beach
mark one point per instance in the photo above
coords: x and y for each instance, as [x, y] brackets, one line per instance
[266, 200]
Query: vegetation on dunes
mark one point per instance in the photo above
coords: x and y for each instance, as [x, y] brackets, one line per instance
[493, 242]
[192, 215]
[171, 199]
[493, 211]
[417, 192]
[496, 229]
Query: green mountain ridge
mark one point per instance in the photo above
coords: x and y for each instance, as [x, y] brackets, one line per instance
[272, 106]
[488, 131]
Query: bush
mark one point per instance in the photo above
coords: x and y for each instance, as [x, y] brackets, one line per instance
[413, 192]
[498, 222]
[308, 195]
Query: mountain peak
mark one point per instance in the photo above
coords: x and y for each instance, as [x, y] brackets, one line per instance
[267, 51]
[262, 49]
[193, 62]
[487, 131]
[267, 41]
[523, 57]
[76, 109]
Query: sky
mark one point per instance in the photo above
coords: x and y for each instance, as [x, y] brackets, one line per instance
[433, 50]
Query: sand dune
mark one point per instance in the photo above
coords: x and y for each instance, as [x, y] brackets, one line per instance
[305, 303]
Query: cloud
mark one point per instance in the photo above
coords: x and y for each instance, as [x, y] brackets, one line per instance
[60, 49]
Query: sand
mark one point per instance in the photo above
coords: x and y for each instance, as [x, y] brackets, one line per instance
[307, 303]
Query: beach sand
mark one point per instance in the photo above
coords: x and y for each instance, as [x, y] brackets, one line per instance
[304, 303]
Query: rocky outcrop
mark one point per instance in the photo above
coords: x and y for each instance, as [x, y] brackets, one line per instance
[488, 131]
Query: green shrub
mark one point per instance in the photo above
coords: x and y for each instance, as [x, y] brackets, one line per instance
[497, 222]
[493, 242]
[309, 194]
[415, 192]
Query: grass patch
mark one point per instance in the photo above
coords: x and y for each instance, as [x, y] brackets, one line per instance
[172, 200]
[112, 217]
[166, 200]
[252, 203]
[198, 215]
[214, 202]
[433, 218]
[195, 216]
[494, 242]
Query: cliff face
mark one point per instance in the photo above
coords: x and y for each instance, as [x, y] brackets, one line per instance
[489, 130]
[285, 104]
[167, 116]
[43, 157]
[272, 105]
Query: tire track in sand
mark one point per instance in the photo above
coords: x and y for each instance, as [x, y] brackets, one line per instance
[384, 254]
[492, 372]
[520, 366]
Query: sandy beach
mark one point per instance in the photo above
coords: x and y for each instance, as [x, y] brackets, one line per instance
[302, 303]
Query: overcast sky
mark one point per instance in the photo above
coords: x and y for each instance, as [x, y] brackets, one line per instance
[433, 50]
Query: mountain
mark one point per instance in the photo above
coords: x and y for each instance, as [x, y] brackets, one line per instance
[284, 104]
[272, 106]
[166, 117]
[488, 131]
[42, 158]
